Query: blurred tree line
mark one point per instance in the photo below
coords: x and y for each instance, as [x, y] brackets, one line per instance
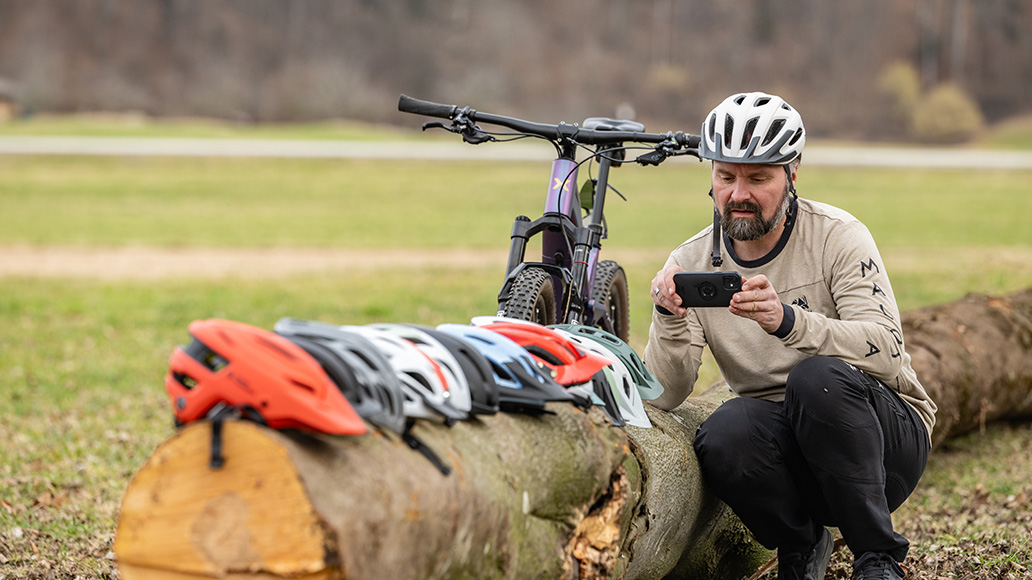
[934, 70]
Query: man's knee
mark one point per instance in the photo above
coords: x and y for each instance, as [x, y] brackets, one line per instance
[828, 391]
[822, 378]
[737, 437]
[815, 373]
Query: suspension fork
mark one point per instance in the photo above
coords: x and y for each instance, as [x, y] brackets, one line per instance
[560, 198]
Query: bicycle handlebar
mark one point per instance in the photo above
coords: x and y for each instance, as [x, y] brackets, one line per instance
[561, 132]
[407, 104]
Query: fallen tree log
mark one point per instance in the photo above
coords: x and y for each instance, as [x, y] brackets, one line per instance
[561, 495]
[974, 357]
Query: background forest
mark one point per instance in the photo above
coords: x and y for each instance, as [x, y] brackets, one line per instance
[926, 70]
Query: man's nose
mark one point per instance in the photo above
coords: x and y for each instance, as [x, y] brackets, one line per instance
[741, 191]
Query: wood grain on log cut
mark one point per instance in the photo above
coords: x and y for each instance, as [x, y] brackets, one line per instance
[252, 516]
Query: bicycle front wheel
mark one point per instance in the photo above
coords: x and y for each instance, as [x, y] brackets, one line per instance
[610, 291]
[532, 297]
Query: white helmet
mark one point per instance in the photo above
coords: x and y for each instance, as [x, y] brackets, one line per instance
[753, 128]
[423, 386]
[454, 377]
[624, 390]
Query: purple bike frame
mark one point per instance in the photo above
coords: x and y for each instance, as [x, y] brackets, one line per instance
[563, 197]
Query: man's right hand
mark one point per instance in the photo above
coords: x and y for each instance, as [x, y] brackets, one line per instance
[664, 294]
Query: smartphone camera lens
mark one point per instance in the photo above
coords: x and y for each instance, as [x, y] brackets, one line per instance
[730, 283]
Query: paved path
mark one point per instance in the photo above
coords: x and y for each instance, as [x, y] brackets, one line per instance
[132, 146]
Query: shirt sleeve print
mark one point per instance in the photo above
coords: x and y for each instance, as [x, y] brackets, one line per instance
[865, 328]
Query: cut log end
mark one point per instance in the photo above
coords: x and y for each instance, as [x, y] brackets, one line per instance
[250, 518]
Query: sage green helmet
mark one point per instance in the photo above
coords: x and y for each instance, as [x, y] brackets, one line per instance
[648, 386]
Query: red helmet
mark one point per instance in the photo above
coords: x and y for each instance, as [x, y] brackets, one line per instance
[245, 366]
[572, 366]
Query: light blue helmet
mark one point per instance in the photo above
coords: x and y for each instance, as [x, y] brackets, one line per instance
[522, 382]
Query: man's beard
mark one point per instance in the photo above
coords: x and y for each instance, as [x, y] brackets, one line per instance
[752, 228]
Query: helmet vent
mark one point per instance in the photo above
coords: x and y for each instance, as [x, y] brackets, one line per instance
[207, 357]
[422, 381]
[185, 380]
[739, 99]
[798, 134]
[750, 126]
[762, 101]
[498, 369]
[712, 125]
[773, 131]
[365, 358]
[729, 127]
[303, 386]
[543, 354]
[273, 346]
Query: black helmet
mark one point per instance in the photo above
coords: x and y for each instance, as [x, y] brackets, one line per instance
[358, 368]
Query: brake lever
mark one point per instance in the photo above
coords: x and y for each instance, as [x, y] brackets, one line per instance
[663, 151]
[470, 133]
[439, 125]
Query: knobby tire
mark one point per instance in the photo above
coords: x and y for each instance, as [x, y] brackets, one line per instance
[532, 297]
[610, 291]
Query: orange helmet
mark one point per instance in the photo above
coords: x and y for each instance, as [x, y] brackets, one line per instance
[245, 366]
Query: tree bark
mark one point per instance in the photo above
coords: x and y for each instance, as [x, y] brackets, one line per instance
[561, 495]
[974, 357]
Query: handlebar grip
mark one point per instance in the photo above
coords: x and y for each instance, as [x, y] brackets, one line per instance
[407, 104]
[692, 141]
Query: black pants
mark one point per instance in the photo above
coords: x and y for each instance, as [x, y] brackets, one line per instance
[843, 450]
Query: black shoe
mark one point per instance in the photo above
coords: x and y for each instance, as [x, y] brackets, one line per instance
[877, 566]
[809, 566]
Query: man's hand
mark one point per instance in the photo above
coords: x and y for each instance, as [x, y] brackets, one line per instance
[757, 301]
[663, 292]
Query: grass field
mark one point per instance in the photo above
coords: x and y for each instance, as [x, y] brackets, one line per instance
[82, 360]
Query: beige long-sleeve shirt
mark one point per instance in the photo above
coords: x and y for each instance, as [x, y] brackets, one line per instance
[827, 271]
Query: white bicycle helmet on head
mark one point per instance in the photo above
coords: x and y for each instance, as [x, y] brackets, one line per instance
[753, 128]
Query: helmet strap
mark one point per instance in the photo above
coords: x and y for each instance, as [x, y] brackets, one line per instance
[715, 258]
[418, 445]
[788, 176]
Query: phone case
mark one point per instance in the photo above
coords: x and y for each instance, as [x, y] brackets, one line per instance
[706, 289]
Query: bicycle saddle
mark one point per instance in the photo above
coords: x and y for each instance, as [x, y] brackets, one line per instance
[607, 124]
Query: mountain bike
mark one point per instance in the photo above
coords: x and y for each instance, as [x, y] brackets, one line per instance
[570, 284]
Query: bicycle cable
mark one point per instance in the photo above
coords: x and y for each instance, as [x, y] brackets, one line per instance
[568, 298]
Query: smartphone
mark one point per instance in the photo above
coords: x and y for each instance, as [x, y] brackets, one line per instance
[704, 289]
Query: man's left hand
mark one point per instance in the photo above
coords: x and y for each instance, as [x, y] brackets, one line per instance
[758, 301]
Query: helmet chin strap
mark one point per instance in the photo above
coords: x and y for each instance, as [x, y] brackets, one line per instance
[715, 258]
[788, 177]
